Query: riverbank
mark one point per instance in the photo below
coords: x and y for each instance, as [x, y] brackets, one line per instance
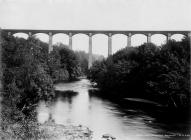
[45, 131]
[146, 102]
[52, 131]
[15, 125]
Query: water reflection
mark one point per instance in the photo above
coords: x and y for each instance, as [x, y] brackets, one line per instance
[76, 105]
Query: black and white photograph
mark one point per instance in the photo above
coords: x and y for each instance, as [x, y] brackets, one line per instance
[95, 70]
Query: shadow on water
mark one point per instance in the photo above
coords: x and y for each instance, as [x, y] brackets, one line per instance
[173, 125]
[65, 95]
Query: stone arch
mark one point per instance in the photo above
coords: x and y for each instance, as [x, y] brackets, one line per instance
[139, 33]
[83, 34]
[59, 33]
[80, 32]
[37, 33]
[96, 34]
[160, 33]
[119, 34]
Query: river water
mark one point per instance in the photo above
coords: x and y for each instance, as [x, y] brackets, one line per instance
[104, 116]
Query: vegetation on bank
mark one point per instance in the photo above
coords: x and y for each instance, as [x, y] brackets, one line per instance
[83, 57]
[159, 73]
[29, 73]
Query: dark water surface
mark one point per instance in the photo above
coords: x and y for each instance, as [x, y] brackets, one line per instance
[102, 116]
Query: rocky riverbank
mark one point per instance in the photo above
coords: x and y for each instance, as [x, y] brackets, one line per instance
[46, 131]
[54, 131]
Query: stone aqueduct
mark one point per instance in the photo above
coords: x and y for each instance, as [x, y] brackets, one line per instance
[90, 33]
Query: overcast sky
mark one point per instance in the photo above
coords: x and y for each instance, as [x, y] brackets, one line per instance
[96, 14]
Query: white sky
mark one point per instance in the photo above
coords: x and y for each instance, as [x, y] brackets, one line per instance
[97, 14]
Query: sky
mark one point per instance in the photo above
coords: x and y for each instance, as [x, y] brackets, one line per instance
[97, 15]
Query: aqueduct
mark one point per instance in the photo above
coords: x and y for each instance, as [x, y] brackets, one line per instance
[90, 33]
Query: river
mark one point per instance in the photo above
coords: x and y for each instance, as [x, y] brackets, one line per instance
[104, 116]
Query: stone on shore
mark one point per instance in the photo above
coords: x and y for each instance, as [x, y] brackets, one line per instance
[54, 131]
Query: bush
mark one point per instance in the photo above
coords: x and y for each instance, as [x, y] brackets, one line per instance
[25, 76]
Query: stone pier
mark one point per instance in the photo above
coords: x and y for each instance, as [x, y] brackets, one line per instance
[90, 51]
[109, 44]
[149, 38]
[129, 40]
[50, 47]
[168, 36]
[70, 41]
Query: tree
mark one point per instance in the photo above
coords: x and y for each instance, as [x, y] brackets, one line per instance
[25, 76]
[160, 74]
[69, 61]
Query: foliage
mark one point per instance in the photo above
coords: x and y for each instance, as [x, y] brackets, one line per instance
[147, 71]
[57, 73]
[70, 62]
[25, 71]
[29, 70]
[64, 64]
[83, 59]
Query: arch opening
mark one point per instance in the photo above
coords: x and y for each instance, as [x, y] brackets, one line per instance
[60, 38]
[138, 39]
[158, 39]
[80, 42]
[21, 35]
[119, 41]
[177, 37]
[42, 37]
[100, 44]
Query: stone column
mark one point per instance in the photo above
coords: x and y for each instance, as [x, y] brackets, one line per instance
[70, 41]
[1, 70]
[129, 40]
[90, 51]
[189, 36]
[149, 38]
[168, 37]
[9, 34]
[50, 48]
[29, 35]
[109, 44]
